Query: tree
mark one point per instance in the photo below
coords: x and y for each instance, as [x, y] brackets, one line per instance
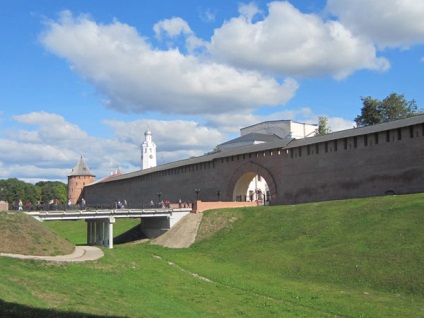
[396, 106]
[52, 190]
[12, 190]
[370, 113]
[323, 128]
[391, 108]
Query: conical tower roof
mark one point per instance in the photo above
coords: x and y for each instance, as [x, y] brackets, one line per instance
[81, 169]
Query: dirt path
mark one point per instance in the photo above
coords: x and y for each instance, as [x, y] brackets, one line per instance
[81, 254]
[182, 234]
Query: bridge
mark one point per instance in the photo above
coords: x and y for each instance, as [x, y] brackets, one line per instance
[100, 222]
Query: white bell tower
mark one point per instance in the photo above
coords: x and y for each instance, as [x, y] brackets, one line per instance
[148, 151]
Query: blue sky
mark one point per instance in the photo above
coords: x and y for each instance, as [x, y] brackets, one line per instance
[87, 78]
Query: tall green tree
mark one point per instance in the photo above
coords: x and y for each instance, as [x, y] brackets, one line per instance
[393, 107]
[370, 113]
[52, 190]
[13, 190]
[323, 128]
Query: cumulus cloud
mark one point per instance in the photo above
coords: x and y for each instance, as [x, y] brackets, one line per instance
[288, 42]
[389, 23]
[337, 124]
[52, 128]
[136, 77]
[171, 27]
[248, 10]
[48, 146]
[172, 135]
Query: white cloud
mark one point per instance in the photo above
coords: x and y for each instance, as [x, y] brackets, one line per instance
[207, 15]
[135, 77]
[338, 124]
[290, 43]
[48, 146]
[389, 23]
[52, 128]
[248, 10]
[171, 136]
[171, 27]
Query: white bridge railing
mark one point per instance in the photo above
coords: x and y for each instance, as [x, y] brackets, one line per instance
[101, 214]
[100, 222]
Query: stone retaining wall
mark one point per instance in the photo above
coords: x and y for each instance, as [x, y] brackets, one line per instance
[199, 206]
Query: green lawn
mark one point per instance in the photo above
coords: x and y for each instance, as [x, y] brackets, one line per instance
[353, 258]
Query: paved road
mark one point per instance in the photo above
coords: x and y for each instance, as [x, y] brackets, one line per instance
[182, 234]
[81, 254]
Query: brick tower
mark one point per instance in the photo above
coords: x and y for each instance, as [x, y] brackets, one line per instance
[77, 180]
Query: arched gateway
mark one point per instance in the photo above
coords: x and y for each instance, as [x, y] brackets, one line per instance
[243, 175]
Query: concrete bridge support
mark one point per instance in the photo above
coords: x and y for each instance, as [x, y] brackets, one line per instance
[153, 227]
[100, 232]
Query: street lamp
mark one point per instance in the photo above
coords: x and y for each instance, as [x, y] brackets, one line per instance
[197, 193]
[218, 193]
[159, 194]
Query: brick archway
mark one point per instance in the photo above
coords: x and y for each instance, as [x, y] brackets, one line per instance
[255, 169]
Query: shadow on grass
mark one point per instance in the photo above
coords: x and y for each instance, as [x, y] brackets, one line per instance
[133, 234]
[12, 310]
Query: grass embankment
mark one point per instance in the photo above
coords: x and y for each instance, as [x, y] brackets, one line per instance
[21, 234]
[354, 258]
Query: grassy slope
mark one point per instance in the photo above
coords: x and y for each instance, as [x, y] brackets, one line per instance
[22, 234]
[376, 242]
[355, 258]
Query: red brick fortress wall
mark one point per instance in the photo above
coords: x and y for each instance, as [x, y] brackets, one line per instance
[362, 162]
